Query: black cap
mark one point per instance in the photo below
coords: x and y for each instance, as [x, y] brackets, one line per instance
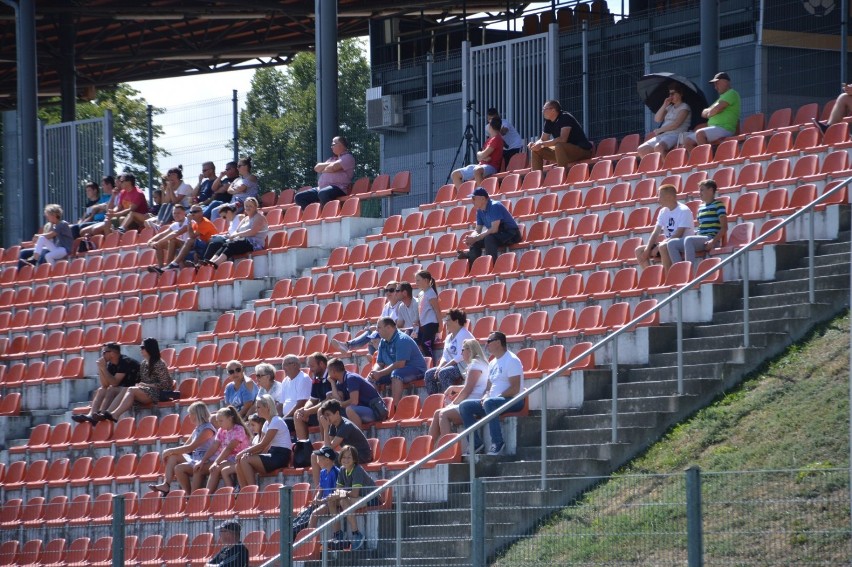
[230, 525]
[720, 76]
[480, 192]
[326, 452]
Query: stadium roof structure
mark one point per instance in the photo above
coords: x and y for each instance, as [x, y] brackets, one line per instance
[114, 41]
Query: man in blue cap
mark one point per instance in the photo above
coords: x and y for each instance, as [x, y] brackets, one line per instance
[495, 227]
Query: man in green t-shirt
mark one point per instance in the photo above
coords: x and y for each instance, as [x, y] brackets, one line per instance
[722, 116]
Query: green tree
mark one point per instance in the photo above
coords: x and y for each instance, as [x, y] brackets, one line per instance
[130, 127]
[278, 124]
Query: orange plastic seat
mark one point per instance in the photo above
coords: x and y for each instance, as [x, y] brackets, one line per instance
[200, 549]
[78, 552]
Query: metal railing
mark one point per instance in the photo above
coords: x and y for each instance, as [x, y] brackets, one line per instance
[677, 296]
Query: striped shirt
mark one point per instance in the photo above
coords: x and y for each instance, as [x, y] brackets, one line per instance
[709, 215]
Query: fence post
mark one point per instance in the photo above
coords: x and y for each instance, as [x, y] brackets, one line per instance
[118, 531]
[679, 345]
[477, 523]
[285, 511]
[236, 112]
[150, 142]
[694, 531]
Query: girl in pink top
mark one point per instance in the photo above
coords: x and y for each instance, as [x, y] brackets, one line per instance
[231, 438]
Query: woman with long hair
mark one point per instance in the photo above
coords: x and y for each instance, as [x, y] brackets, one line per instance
[475, 382]
[180, 460]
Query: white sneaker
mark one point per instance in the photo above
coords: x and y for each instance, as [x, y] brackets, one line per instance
[341, 346]
[497, 449]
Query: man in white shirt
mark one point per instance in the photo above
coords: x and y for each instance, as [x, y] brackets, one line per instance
[364, 338]
[675, 221]
[505, 376]
[512, 141]
[295, 389]
[407, 310]
[167, 243]
[450, 369]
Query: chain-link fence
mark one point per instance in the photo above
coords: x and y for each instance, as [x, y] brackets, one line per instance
[790, 517]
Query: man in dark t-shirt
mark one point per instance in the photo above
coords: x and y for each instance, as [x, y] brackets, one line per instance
[562, 139]
[306, 416]
[233, 552]
[338, 431]
[116, 373]
[356, 392]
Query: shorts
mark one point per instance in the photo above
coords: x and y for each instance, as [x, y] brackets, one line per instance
[406, 375]
[467, 172]
[712, 133]
[366, 414]
[669, 139]
[276, 458]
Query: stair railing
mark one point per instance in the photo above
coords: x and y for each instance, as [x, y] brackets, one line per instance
[610, 339]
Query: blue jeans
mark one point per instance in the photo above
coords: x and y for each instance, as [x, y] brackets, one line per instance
[472, 410]
[361, 340]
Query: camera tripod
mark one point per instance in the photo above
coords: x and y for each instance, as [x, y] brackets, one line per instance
[469, 142]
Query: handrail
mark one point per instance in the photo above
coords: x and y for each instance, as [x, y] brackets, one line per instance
[628, 327]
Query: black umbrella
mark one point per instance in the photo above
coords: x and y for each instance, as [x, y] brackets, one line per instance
[653, 90]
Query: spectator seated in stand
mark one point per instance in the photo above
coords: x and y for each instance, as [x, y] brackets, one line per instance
[154, 380]
[353, 482]
[400, 360]
[674, 117]
[96, 206]
[52, 244]
[842, 109]
[712, 227]
[272, 452]
[233, 553]
[335, 176]
[475, 382]
[674, 221]
[450, 369]
[321, 390]
[113, 193]
[165, 243]
[202, 193]
[513, 143]
[264, 377]
[218, 241]
[200, 231]
[180, 461]
[490, 158]
[506, 378]
[338, 431]
[495, 228]
[249, 236]
[133, 211]
[220, 187]
[326, 457]
[240, 392]
[160, 213]
[407, 309]
[231, 438]
[245, 186]
[228, 469]
[175, 192]
[722, 116]
[366, 336]
[562, 139]
[359, 397]
[116, 373]
[295, 390]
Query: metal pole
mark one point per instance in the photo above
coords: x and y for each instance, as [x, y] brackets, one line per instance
[326, 74]
[746, 325]
[477, 524]
[430, 166]
[544, 438]
[398, 543]
[694, 531]
[585, 41]
[679, 346]
[471, 459]
[118, 531]
[285, 521]
[28, 116]
[67, 72]
[850, 398]
[151, 149]
[811, 247]
[109, 164]
[235, 104]
[614, 386]
[709, 28]
[844, 41]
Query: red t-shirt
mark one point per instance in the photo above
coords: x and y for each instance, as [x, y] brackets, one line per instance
[130, 197]
[495, 160]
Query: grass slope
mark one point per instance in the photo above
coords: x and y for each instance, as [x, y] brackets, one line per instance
[792, 414]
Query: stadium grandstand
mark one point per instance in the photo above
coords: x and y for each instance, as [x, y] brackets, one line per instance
[613, 354]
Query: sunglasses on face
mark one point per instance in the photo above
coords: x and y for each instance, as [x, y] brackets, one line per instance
[234, 370]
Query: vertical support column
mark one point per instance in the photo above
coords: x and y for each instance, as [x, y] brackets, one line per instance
[67, 70]
[553, 62]
[746, 322]
[118, 531]
[430, 165]
[614, 386]
[543, 441]
[844, 41]
[285, 522]
[467, 91]
[27, 116]
[326, 77]
[398, 525]
[709, 22]
[477, 523]
[694, 530]
[150, 140]
[679, 345]
[585, 39]
[109, 162]
[235, 104]
[649, 118]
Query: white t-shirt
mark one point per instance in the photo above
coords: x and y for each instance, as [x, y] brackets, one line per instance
[176, 226]
[453, 346]
[282, 434]
[389, 311]
[183, 194]
[511, 139]
[670, 220]
[481, 382]
[293, 391]
[426, 312]
[275, 392]
[408, 313]
[500, 370]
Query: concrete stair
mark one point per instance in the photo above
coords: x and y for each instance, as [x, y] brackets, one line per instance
[580, 440]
